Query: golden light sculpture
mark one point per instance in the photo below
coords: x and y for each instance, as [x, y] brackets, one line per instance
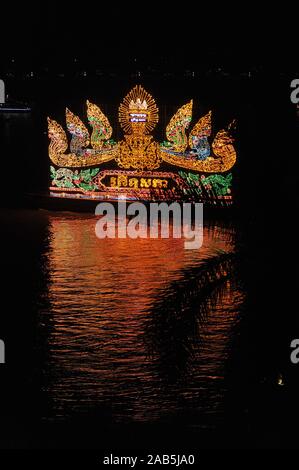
[80, 135]
[176, 129]
[223, 159]
[194, 150]
[201, 128]
[138, 113]
[59, 145]
[140, 153]
[101, 128]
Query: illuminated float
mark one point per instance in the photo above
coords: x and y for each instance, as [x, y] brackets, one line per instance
[138, 167]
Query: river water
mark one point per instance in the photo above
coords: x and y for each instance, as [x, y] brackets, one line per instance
[109, 346]
[109, 337]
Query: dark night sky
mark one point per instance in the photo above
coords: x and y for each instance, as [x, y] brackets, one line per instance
[178, 36]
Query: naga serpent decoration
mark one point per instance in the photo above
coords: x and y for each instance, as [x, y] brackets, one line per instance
[101, 129]
[138, 116]
[176, 129]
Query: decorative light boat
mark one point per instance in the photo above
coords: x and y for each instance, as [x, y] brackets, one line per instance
[137, 167]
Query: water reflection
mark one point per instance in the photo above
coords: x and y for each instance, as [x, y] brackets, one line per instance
[127, 335]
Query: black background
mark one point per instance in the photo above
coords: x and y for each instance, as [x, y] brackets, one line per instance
[170, 42]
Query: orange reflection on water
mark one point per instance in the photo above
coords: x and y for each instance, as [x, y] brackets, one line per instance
[102, 293]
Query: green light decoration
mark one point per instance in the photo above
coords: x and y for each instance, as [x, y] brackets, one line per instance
[66, 178]
[219, 184]
[101, 129]
[165, 144]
